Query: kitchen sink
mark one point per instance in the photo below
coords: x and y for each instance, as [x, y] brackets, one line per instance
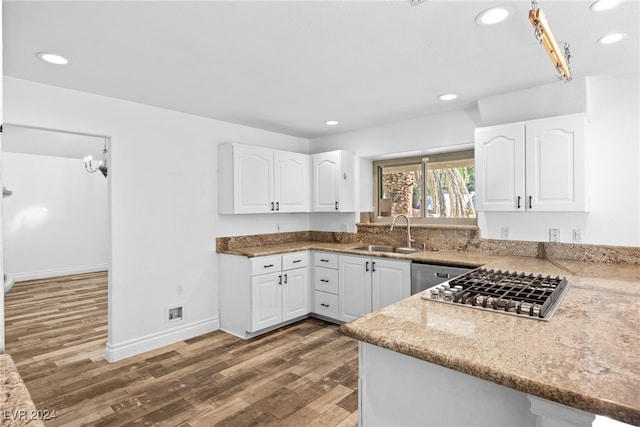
[380, 248]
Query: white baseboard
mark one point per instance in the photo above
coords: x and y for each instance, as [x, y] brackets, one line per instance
[67, 271]
[150, 342]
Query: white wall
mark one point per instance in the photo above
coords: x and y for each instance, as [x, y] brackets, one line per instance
[614, 154]
[452, 129]
[163, 206]
[56, 221]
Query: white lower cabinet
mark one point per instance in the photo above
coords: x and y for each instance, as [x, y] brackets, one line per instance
[258, 294]
[279, 297]
[266, 301]
[295, 293]
[262, 293]
[367, 284]
[325, 285]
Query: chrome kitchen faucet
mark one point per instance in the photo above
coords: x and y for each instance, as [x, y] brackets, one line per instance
[409, 239]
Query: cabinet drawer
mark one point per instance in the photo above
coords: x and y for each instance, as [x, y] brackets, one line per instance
[326, 280]
[295, 260]
[324, 259]
[266, 264]
[325, 304]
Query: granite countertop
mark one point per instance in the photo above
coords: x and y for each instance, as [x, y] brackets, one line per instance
[586, 357]
[16, 406]
[448, 257]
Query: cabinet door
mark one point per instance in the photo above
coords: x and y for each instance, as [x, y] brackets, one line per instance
[295, 293]
[354, 287]
[555, 173]
[291, 182]
[266, 301]
[252, 179]
[390, 282]
[499, 162]
[326, 169]
[346, 182]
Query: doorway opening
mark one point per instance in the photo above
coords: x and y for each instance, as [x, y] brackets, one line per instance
[56, 220]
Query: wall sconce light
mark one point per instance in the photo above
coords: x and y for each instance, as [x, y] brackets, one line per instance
[100, 165]
[561, 61]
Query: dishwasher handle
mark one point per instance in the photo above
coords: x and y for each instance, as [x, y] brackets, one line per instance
[443, 275]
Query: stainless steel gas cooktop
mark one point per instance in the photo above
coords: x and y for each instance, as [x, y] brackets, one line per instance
[521, 294]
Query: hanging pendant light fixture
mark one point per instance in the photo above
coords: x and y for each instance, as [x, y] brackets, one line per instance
[101, 165]
[561, 60]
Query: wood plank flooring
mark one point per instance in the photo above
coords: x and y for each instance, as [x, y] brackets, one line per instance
[56, 331]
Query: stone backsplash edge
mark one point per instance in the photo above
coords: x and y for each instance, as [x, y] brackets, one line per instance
[449, 238]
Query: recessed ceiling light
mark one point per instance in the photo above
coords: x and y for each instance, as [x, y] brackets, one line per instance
[447, 97]
[331, 122]
[52, 58]
[494, 15]
[600, 5]
[612, 38]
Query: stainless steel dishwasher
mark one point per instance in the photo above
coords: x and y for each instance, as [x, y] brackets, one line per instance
[424, 276]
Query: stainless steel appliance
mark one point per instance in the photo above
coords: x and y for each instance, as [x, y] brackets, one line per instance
[528, 295]
[425, 276]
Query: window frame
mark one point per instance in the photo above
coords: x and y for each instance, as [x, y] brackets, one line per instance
[464, 153]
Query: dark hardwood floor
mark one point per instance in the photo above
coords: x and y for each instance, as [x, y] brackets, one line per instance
[305, 374]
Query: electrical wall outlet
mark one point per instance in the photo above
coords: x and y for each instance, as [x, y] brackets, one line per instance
[504, 233]
[175, 313]
[179, 290]
[577, 235]
[278, 227]
[554, 234]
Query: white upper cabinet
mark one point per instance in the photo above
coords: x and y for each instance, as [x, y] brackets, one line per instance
[292, 182]
[334, 181]
[499, 161]
[252, 179]
[261, 180]
[555, 172]
[536, 166]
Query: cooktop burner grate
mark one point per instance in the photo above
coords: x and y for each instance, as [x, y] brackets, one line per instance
[529, 295]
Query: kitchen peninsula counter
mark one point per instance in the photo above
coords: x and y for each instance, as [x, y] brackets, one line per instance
[587, 357]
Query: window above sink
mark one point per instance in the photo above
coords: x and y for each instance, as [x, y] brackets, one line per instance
[433, 188]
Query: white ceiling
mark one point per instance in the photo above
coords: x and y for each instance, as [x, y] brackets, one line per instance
[288, 66]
